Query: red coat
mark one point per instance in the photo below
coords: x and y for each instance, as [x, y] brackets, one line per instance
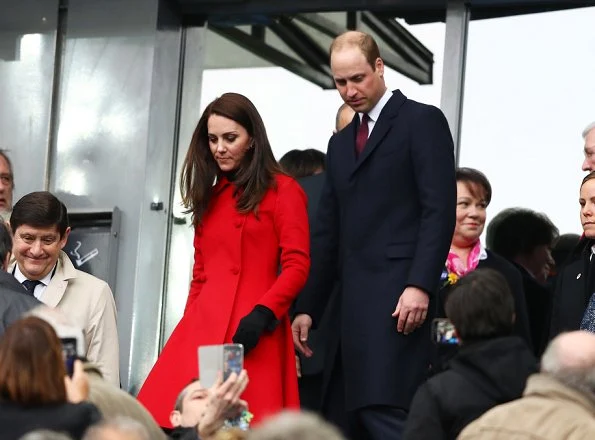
[236, 266]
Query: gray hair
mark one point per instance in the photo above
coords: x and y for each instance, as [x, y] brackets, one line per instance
[587, 129]
[123, 425]
[44, 434]
[293, 425]
[570, 365]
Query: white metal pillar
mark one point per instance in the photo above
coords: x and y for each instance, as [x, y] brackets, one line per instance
[453, 74]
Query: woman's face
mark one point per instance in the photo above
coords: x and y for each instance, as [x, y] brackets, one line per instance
[228, 141]
[587, 202]
[471, 215]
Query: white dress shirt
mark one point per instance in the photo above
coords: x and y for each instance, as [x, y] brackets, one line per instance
[40, 288]
[375, 112]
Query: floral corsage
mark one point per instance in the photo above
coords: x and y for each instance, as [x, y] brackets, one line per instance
[448, 278]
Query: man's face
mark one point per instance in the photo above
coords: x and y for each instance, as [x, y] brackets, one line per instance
[36, 250]
[194, 405]
[589, 162]
[360, 85]
[6, 186]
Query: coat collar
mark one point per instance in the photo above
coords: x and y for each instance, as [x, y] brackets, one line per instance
[381, 128]
[55, 290]
[547, 386]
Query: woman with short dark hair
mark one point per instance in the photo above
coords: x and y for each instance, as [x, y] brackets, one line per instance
[250, 219]
[35, 392]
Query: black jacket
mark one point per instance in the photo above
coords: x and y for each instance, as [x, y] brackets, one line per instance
[515, 283]
[70, 418]
[481, 376]
[574, 286]
[14, 300]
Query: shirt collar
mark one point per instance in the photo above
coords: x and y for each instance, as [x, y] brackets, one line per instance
[374, 114]
[20, 277]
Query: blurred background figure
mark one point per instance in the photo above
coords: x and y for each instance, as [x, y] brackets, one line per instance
[303, 163]
[562, 253]
[525, 238]
[344, 117]
[557, 404]
[118, 428]
[491, 367]
[6, 186]
[44, 434]
[295, 426]
[589, 138]
[36, 392]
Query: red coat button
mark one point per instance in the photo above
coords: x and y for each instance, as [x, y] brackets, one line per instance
[235, 270]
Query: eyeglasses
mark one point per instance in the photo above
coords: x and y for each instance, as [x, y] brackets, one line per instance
[6, 179]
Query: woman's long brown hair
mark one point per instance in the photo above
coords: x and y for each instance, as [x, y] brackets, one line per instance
[255, 174]
[31, 365]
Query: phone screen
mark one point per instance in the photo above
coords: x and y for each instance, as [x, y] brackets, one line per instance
[233, 359]
[444, 332]
[69, 354]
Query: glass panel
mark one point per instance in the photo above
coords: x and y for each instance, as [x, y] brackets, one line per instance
[529, 93]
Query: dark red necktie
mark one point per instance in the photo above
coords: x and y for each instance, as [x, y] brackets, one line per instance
[362, 135]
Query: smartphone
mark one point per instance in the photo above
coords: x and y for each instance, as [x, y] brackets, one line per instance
[69, 353]
[444, 332]
[225, 358]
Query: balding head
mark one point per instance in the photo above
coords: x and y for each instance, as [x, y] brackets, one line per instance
[570, 358]
[364, 42]
[344, 117]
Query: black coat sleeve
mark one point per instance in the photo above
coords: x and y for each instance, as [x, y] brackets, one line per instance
[424, 420]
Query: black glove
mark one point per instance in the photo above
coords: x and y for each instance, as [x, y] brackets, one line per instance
[252, 326]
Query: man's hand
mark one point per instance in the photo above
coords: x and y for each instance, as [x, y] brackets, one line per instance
[298, 366]
[224, 402]
[300, 327]
[77, 388]
[411, 310]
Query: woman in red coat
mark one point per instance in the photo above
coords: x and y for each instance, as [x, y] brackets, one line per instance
[252, 221]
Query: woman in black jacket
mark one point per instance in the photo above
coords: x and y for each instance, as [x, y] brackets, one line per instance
[35, 392]
[467, 254]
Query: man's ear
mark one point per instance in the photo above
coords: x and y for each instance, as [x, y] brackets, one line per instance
[175, 418]
[64, 238]
[6, 261]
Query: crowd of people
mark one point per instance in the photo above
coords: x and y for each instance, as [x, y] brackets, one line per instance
[331, 271]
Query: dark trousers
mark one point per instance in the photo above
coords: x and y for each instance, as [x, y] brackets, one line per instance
[310, 387]
[378, 422]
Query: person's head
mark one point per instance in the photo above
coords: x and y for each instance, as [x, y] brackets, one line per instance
[303, 163]
[39, 222]
[31, 364]
[589, 149]
[117, 428]
[570, 359]
[481, 306]
[5, 246]
[230, 139]
[6, 183]
[525, 237]
[190, 405]
[344, 117]
[293, 425]
[358, 70]
[474, 194]
[44, 434]
[587, 202]
[563, 247]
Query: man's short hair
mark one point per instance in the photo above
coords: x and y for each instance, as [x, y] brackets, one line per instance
[588, 128]
[481, 306]
[303, 163]
[39, 209]
[44, 434]
[518, 231]
[179, 405]
[293, 425]
[361, 40]
[120, 424]
[5, 242]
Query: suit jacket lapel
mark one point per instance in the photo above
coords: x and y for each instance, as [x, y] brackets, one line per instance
[381, 127]
[55, 290]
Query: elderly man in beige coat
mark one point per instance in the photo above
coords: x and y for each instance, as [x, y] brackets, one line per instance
[558, 403]
[39, 222]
